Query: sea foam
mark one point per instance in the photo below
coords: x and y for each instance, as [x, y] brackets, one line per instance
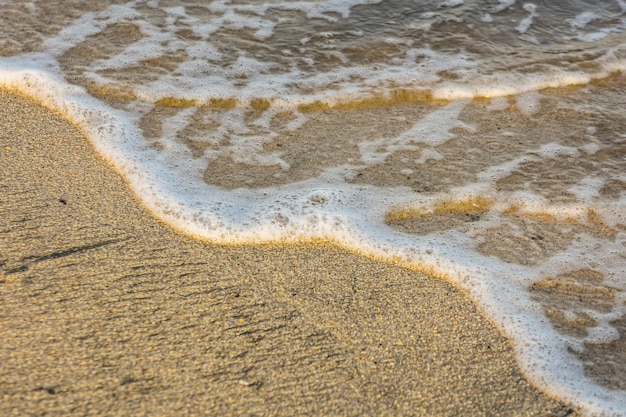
[343, 120]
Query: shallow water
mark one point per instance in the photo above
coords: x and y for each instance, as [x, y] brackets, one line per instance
[481, 141]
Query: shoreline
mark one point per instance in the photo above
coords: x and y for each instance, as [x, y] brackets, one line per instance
[108, 311]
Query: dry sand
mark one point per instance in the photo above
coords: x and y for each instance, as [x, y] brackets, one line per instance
[106, 311]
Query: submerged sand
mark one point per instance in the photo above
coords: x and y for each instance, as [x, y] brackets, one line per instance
[106, 311]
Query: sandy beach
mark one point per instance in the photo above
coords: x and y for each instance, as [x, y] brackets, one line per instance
[106, 311]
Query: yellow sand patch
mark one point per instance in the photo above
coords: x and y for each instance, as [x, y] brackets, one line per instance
[480, 99]
[472, 206]
[222, 103]
[575, 287]
[544, 217]
[110, 92]
[315, 106]
[614, 76]
[183, 103]
[595, 221]
[512, 209]
[400, 214]
[396, 97]
[179, 103]
[592, 222]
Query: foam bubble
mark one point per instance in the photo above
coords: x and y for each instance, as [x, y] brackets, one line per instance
[393, 151]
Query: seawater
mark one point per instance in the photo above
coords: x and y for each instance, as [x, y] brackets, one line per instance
[483, 141]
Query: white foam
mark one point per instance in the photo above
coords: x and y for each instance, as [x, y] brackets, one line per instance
[524, 25]
[528, 103]
[451, 3]
[592, 37]
[587, 188]
[486, 18]
[428, 154]
[170, 181]
[581, 20]
[432, 130]
[504, 4]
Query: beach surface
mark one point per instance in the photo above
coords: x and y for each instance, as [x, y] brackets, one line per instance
[106, 311]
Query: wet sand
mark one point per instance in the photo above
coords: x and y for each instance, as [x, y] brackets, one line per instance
[106, 311]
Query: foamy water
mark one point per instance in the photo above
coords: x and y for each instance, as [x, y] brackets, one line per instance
[481, 141]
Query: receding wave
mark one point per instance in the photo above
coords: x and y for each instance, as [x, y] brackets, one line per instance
[483, 142]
